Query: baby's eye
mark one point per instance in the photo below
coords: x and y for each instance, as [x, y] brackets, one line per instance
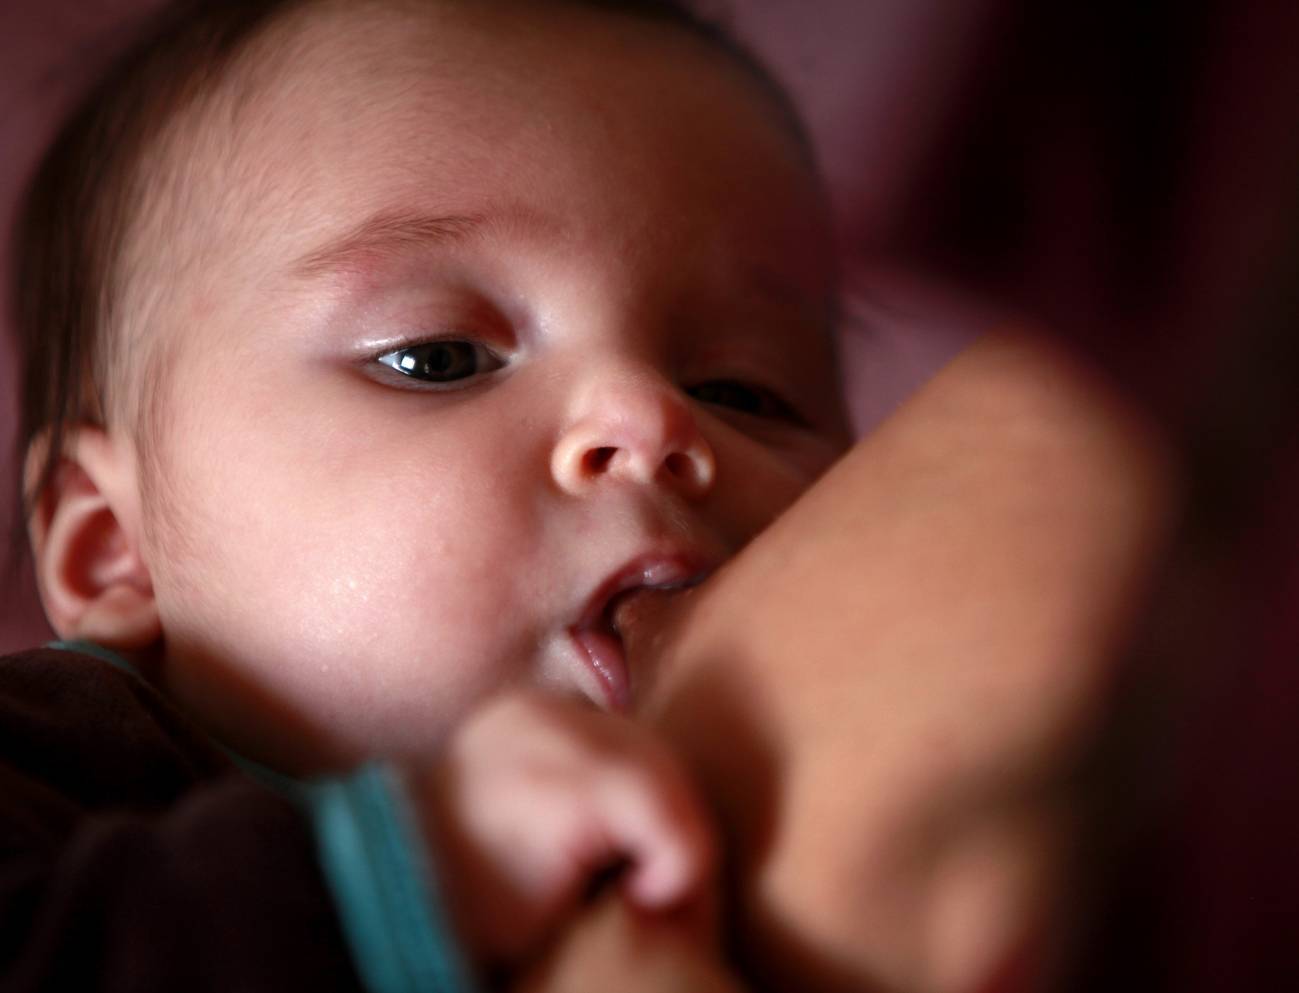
[444, 361]
[746, 398]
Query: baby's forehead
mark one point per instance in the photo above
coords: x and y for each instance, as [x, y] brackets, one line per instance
[343, 105]
[346, 114]
[344, 84]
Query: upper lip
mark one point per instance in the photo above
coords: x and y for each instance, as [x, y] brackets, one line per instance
[655, 570]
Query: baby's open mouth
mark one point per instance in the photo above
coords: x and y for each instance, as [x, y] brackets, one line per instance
[597, 634]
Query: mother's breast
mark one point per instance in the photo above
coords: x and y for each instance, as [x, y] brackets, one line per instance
[884, 694]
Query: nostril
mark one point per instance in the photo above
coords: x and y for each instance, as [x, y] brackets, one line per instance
[598, 459]
[680, 465]
[694, 472]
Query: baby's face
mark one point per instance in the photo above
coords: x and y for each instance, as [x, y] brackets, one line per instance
[499, 312]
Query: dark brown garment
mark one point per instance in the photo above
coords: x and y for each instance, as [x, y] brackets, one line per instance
[134, 855]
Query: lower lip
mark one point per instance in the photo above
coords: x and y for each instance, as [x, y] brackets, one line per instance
[604, 651]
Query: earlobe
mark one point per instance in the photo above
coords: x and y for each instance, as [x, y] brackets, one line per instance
[84, 528]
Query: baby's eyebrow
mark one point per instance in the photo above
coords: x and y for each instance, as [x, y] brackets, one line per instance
[389, 232]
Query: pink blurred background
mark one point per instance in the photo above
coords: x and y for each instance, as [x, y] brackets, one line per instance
[1126, 174]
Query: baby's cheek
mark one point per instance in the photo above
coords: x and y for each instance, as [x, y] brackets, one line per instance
[756, 488]
[394, 626]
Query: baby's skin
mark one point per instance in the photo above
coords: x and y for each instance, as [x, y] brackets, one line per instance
[437, 367]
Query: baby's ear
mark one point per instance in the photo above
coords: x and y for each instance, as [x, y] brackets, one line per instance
[85, 541]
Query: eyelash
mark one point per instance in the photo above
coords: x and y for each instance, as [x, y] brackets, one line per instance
[734, 395]
[757, 401]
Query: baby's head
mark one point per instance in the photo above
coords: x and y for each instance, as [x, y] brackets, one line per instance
[387, 342]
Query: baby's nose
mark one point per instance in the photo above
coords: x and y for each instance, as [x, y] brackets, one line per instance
[634, 428]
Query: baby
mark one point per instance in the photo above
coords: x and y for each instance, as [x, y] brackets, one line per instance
[378, 353]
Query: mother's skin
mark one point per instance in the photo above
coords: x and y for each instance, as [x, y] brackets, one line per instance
[885, 693]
